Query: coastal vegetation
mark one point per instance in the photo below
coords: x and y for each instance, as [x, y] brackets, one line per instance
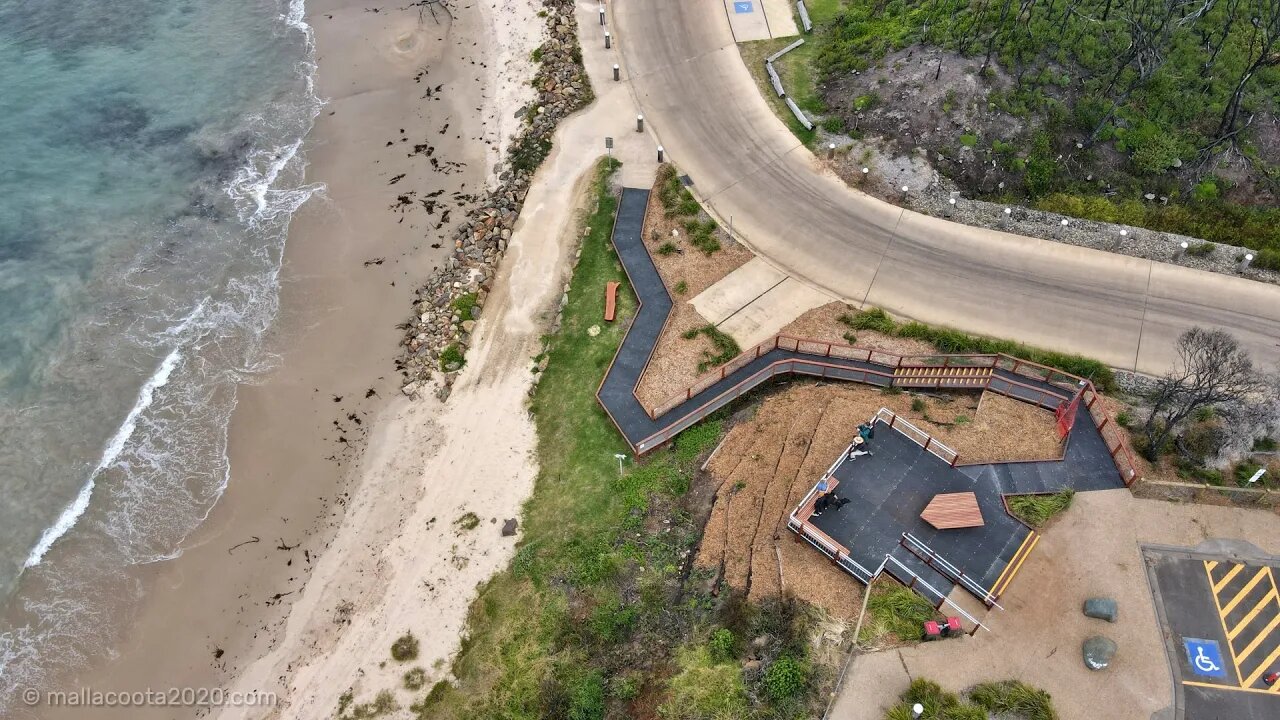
[602, 614]
[1159, 114]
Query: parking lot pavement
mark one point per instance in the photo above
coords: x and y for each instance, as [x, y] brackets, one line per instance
[1220, 617]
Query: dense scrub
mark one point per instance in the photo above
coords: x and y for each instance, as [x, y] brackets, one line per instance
[1081, 106]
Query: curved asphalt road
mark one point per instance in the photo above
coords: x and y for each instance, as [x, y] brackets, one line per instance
[689, 80]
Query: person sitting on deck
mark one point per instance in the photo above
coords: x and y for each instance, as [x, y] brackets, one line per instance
[821, 504]
[867, 430]
[860, 448]
[823, 499]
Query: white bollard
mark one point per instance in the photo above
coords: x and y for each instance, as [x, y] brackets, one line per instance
[1182, 250]
[831, 151]
[617, 72]
[951, 206]
[1244, 262]
[607, 40]
[639, 123]
[602, 14]
[661, 153]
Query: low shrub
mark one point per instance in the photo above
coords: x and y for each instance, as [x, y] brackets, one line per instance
[667, 248]
[405, 648]
[785, 678]
[415, 679]
[723, 645]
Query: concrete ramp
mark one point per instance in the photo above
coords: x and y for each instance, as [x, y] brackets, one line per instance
[768, 314]
[756, 301]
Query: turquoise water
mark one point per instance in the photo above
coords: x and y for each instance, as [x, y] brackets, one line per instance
[150, 167]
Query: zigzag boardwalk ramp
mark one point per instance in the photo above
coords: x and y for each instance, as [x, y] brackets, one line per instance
[885, 532]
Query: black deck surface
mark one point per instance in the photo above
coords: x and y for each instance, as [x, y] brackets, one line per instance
[889, 489]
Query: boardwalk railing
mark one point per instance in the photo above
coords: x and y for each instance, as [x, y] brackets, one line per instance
[944, 568]
[1065, 384]
[918, 436]
[908, 577]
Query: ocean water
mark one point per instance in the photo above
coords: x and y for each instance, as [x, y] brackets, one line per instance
[149, 167]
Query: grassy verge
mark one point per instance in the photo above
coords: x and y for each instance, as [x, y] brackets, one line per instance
[601, 614]
[1037, 510]
[795, 70]
[954, 341]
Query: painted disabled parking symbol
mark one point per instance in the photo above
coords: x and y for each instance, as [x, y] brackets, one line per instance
[742, 7]
[1205, 657]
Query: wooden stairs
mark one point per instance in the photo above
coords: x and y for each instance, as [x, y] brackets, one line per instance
[939, 376]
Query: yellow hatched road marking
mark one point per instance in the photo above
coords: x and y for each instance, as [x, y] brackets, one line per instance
[1217, 586]
[1226, 610]
[1257, 640]
[1261, 668]
[1266, 600]
[1228, 688]
[1235, 662]
[1210, 565]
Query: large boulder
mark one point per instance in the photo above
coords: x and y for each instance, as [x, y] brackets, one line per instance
[1101, 608]
[1098, 652]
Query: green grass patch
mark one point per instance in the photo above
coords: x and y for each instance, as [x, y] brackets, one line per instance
[894, 612]
[464, 303]
[703, 689]
[725, 347]
[795, 69]
[956, 342]
[1036, 510]
[451, 358]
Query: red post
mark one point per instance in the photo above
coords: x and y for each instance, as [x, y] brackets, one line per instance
[928, 441]
[1104, 422]
[954, 460]
[893, 418]
[1116, 449]
[828, 349]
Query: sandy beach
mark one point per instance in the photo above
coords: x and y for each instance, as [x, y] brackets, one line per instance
[416, 104]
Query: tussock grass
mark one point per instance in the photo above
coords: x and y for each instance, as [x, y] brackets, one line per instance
[1036, 510]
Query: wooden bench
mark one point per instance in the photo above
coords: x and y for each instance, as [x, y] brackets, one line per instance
[610, 300]
[953, 510]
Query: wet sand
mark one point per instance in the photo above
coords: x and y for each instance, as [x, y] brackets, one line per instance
[406, 94]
